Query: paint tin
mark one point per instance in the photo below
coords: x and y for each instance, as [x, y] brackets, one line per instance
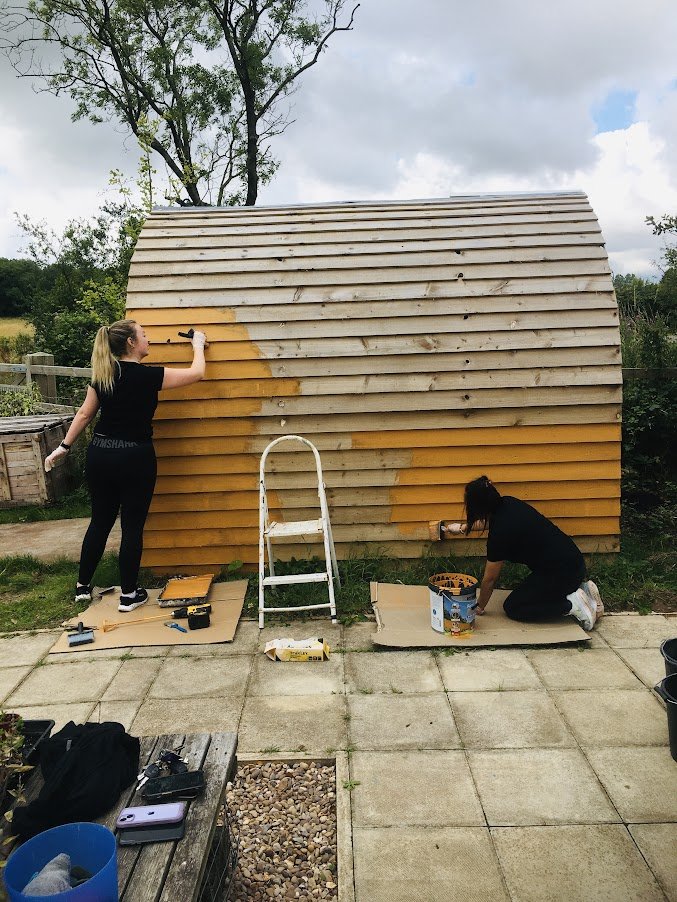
[453, 601]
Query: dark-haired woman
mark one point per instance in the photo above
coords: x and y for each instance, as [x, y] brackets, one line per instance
[558, 584]
[121, 466]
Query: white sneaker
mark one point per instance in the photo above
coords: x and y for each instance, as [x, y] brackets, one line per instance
[591, 589]
[583, 608]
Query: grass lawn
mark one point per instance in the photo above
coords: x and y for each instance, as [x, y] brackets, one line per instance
[11, 326]
[643, 577]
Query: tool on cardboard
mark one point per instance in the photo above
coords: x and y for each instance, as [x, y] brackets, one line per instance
[80, 634]
[175, 626]
[183, 591]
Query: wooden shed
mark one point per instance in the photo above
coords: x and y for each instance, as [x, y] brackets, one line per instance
[418, 344]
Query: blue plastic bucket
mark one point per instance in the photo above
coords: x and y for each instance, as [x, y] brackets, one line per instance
[90, 846]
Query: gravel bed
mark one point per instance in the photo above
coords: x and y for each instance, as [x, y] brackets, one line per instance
[284, 815]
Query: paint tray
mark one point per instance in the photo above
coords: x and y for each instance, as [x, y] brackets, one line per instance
[184, 590]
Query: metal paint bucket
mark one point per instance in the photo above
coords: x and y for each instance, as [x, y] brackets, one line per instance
[453, 602]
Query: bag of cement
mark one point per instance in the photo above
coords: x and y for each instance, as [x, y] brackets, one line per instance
[297, 650]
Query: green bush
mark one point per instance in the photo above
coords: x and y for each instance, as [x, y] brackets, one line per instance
[14, 348]
[21, 403]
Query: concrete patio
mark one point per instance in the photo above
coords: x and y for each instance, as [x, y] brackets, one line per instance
[511, 774]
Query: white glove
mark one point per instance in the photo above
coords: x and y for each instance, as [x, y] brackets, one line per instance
[53, 459]
[455, 529]
[199, 339]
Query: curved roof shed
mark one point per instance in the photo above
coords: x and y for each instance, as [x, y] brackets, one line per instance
[418, 344]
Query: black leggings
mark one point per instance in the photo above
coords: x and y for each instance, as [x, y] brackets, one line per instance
[543, 594]
[120, 480]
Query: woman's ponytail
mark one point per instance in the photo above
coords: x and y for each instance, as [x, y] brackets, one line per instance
[110, 344]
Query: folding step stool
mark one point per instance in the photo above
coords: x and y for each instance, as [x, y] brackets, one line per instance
[270, 530]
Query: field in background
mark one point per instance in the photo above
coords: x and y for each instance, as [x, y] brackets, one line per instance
[11, 326]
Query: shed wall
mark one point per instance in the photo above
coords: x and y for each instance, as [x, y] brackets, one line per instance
[418, 345]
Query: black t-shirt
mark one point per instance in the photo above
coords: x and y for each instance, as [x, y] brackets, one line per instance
[127, 412]
[518, 533]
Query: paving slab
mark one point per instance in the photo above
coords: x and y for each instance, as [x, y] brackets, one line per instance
[323, 628]
[589, 668]
[392, 671]
[10, 677]
[414, 788]
[297, 677]
[482, 669]
[641, 782]
[614, 717]
[245, 642]
[358, 636]
[152, 651]
[197, 677]
[189, 715]
[426, 864]
[636, 631]
[526, 787]
[133, 680]
[402, 722]
[25, 649]
[576, 863]
[60, 714]
[77, 681]
[312, 723]
[122, 712]
[647, 663]
[499, 720]
[658, 844]
[89, 653]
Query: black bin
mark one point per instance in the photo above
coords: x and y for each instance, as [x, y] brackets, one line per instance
[669, 652]
[667, 689]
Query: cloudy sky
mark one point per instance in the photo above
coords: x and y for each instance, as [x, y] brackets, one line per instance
[426, 99]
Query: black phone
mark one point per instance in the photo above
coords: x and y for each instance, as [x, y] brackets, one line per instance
[163, 833]
[174, 786]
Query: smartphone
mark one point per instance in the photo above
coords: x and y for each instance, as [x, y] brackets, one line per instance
[161, 833]
[151, 815]
[188, 786]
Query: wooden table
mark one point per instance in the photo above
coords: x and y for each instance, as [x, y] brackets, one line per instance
[193, 868]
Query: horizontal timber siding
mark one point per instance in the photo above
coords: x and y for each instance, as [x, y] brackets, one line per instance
[417, 344]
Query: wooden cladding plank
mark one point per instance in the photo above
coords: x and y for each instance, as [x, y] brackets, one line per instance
[367, 308]
[386, 459]
[191, 424]
[473, 238]
[442, 401]
[394, 256]
[226, 296]
[481, 321]
[407, 439]
[446, 495]
[413, 383]
[217, 556]
[459, 475]
[220, 280]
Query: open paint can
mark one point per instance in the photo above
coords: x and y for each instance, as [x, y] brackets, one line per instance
[453, 602]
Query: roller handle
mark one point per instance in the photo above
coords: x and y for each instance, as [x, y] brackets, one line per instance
[188, 334]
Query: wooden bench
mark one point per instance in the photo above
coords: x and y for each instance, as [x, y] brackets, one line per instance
[198, 866]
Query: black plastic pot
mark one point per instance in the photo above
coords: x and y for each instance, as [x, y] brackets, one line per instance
[667, 689]
[669, 652]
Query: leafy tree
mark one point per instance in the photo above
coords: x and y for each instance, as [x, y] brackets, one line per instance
[18, 283]
[199, 83]
[666, 225]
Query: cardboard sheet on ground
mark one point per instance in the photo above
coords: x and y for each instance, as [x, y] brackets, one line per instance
[403, 621]
[226, 600]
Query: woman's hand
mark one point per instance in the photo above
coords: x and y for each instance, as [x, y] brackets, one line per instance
[199, 340]
[55, 457]
[454, 529]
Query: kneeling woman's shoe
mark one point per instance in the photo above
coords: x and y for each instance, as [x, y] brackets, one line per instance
[133, 601]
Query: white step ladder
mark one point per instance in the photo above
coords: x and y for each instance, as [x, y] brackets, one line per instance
[270, 529]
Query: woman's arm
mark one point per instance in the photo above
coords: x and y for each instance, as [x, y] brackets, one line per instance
[174, 378]
[492, 570]
[81, 420]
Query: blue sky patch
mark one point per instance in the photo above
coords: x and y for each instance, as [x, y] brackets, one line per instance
[616, 111]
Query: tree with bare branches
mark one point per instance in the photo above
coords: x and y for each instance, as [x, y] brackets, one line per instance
[200, 83]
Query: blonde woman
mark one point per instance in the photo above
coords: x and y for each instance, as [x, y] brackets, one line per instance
[121, 466]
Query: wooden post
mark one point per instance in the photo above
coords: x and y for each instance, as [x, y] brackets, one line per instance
[46, 383]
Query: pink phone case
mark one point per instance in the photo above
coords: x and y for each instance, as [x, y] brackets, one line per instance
[145, 815]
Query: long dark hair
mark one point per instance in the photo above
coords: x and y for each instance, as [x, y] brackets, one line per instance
[481, 500]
